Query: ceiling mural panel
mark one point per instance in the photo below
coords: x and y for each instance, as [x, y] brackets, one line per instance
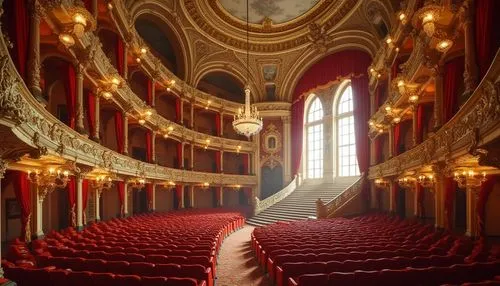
[278, 11]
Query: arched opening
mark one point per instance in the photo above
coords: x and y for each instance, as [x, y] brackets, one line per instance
[163, 43]
[139, 84]
[110, 42]
[223, 85]
[314, 139]
[346, 141]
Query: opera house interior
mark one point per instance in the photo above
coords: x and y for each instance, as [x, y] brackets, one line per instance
[250, 142]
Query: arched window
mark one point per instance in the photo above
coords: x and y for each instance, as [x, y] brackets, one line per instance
[314, 143]
[347, 160]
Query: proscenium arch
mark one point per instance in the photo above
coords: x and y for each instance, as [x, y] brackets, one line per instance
[223, 85]
[165, 17]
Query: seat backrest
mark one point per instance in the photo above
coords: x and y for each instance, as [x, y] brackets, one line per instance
[175, 281]
[142, 268]
[118, 267]
[157, 258]
[127, 280]
[154, 281]
[314, 279]
[168, 269]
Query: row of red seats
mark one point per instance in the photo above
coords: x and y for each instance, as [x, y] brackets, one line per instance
[428, 276]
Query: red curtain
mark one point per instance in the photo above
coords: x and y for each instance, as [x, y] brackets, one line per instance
[149, 146]
[178, 109]
[486, 189]
[19, 30]
[297, 134]
[361, 111]
[121, 197]
[420, 123]
[218, 127]
[178, 195]
[91, 112]
[487, 33]
[180, 158]
[71, 188]
[149, 196]
[246, 166]
[397, 139]
[23, 196]
[120, 55]
[150, 87]
[450, 187]
[348, 63]
[453, 75]
[70, 86]
[119, 132]
[85, 196]
[217, 162]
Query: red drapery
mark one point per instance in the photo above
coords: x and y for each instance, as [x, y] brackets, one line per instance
[23, 196]
[150, 87]
[120, 186]
[149, 196]
[420, 123]
[217, 162]
[218, 127]
[91, 112]
[149, 146]
[450, 187]
[19, 30]
[85, 196]
[361, 111]
[178, 109]
[178, 195]
[180, 159]
[397, 139]
[349, 64]
[246, 161]
[71, 188]
[487, 33]
[453, 75]
[420, 193]
[484, 193]
[70, 86]
[119, 132]
[120, 55]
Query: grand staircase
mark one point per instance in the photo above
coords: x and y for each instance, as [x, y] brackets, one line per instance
[301, 203]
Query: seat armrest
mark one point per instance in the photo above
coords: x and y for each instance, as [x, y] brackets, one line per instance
[292, 282]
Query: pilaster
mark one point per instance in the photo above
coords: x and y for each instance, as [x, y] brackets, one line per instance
[79, 202]
[80, 128]
[97, 119]
[287, 130]
[34, 64]
[125, 133]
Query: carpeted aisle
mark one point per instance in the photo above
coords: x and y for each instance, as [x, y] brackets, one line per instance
[237, 265]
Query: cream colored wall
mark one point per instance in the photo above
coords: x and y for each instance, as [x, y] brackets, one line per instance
[164, 200]
[203, 198]
[492, 218]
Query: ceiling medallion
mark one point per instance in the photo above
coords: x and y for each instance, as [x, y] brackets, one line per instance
[247, 121]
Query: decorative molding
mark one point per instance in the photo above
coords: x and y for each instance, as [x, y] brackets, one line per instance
[329, 209]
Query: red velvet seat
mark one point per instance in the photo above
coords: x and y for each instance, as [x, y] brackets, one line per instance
[142, 268]
[127, 280]
[174, 281]
[313, 279]
[102, 279]
[80, 278]
[154, 281]
[157, 258]
[167, 270]
[118, 267]
[341, 279]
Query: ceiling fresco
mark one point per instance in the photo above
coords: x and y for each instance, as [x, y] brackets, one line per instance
[278, 11]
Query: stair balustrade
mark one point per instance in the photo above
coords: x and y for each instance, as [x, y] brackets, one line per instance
[331, 208]
[260, 206]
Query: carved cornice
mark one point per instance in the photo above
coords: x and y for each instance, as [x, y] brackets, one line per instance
[36, 127]
[479, 117]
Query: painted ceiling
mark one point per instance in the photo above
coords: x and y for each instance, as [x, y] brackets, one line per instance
[279, 11]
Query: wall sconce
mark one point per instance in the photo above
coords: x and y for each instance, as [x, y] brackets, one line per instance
[208, 104]
[79, 24]
[428, 24]
[406, 183]
[148, 112]
[396, 120]
[469, 179]
[401, 86]
[370, 122]
[413, 99]
[167, 133]
[142, 121]
[238, 149]
[48, 180]
[170, 85]
[102, 182]
[388, 40]
[381, 183]
[426, 181]
[106, 94]
[388, 109]
[402, 17]
[444, 45]
[139, 183]
[397, 49]
[381, 131]
[206, 185]
[66, 39]
[207, 142]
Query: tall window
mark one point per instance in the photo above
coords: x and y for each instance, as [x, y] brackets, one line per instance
[314, 146]
[347, 160]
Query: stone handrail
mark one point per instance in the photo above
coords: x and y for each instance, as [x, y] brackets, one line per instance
[328, 210]
[477, 121]
[261, 206]
[39, 134]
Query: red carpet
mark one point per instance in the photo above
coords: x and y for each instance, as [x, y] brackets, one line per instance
[237, 264]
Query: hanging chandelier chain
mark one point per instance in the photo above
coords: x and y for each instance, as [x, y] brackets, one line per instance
[248, 46]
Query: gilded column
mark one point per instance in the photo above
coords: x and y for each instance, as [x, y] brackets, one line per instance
[80, 128]
[221, 161]
[191, 196]
[3, 168]
[95, 11]
[391, 141]
[414, 124]
[182, 155]
[439, 193]
[34, 53]
[97, 198]
[472, 194]
[287, 128]
[372, 102]
[182, 112]
[37, 212]
[438, 98]
[182, 205]
[97, 118]
[153, 92]
[153, 146]
[125, 63]
[125, 200]
[153, 198]
[192, 115]
[221, 122]
[79, 202]
[191, 149]
[221, 196]
[471, 70]
[125, 133]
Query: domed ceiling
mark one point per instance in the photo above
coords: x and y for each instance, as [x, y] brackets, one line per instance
[278, 11]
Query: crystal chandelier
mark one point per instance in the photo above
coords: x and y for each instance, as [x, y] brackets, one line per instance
[247, 121]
